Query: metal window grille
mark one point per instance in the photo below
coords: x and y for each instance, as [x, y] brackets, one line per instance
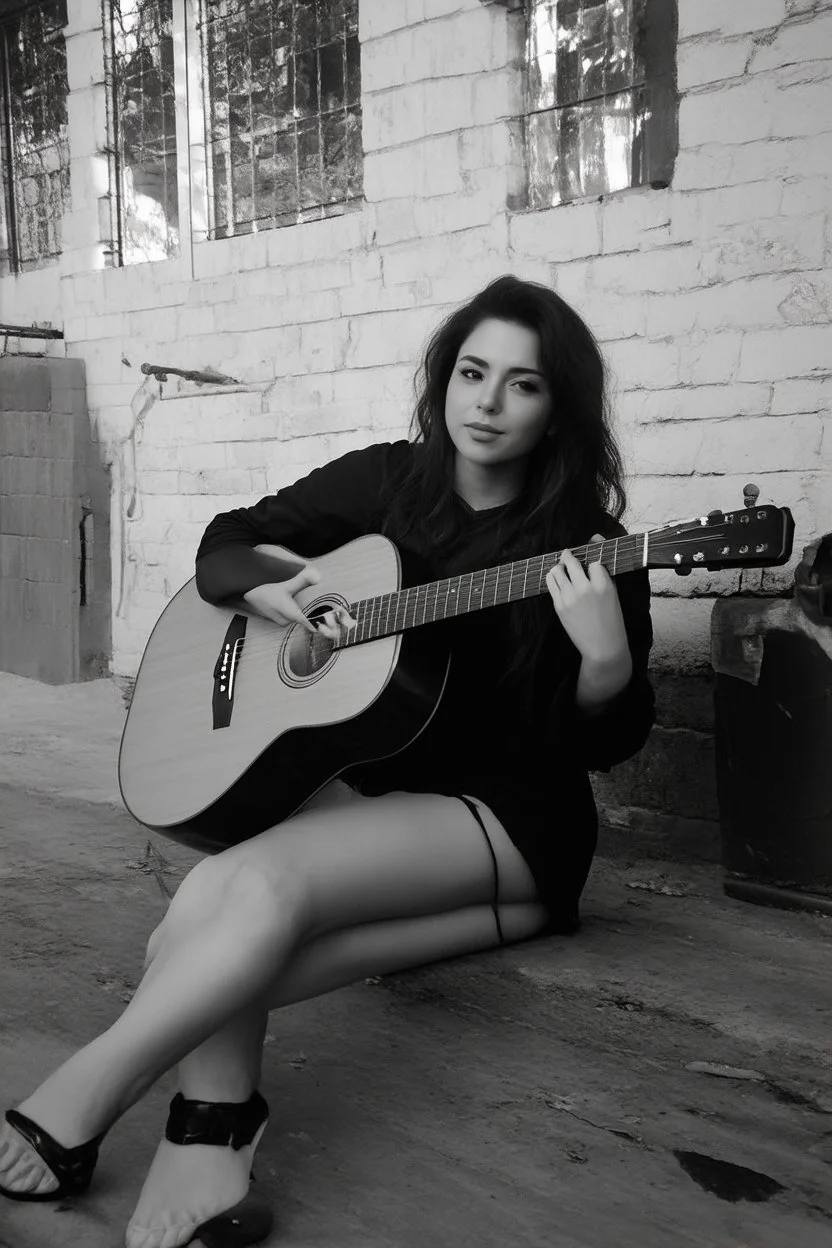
[142, 121]
[283, 111]
[35, 147]
[602, 97]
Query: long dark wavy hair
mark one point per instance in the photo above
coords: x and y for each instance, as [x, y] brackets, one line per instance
[572, 477]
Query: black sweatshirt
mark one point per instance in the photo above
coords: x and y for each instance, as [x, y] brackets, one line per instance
[528, 762]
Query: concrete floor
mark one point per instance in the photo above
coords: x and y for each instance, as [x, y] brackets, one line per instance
[662, 1079]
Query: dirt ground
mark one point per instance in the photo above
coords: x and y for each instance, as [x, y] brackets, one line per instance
[663, 1078]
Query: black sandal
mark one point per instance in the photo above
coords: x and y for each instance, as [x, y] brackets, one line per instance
[72, 1167]
[225, 1123]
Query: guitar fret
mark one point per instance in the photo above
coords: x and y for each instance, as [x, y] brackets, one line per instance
[487, 587]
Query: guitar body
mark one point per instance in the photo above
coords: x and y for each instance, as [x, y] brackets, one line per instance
[235, 721]
[212, 756]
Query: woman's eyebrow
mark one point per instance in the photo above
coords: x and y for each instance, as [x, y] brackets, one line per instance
[484, 364]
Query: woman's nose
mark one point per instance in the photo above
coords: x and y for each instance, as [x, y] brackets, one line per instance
[489, 399]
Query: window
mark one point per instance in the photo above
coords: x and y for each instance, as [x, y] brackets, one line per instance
[142, 117]
[602, 97]
[283, 111]
[35, 151]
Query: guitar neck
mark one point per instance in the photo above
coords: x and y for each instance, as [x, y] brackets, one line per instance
[473, 591]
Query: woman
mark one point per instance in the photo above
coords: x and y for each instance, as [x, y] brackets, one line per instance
[480, 832]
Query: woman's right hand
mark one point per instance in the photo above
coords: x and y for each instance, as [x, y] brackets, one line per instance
[276, 600]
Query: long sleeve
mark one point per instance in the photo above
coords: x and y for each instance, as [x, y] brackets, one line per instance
[621, 728]
[608, 736]
[323, 510]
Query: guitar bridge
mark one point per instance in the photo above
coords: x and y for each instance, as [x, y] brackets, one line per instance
[225, 671]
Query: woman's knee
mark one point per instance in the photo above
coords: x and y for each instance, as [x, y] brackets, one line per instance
[235, 882]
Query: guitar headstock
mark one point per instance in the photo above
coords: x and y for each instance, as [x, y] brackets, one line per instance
[750, 537]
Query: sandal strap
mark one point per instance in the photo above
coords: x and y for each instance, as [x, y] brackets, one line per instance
[72, 1167]
[225, 1123]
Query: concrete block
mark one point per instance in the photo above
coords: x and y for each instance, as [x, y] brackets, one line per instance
[428, 167]
[698, 215]
[636, 218]
[803, 109]
[670, 269]
[25, 385]
[637, 362]
[702, 402]
[464, 43]
[713, 16]
[805, 395]
[737, 114]
[556, 234]
[388, 337]
[749, 444]
[714, 358]
[702, 61]
[807, 303]
[795, 43]
[780, 246]
[791, 351]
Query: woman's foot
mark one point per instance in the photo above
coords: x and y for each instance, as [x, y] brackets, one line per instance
[185, 1186]
[191, 1182]
[22, 1170]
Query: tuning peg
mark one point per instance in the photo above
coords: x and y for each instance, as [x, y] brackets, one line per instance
[750, 494]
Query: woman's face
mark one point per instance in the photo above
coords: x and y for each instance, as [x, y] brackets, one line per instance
[497, 405]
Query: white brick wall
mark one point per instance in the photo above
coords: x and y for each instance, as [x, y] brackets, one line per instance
[712, 299]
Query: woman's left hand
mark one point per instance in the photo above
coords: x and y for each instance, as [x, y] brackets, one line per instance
[588, 608]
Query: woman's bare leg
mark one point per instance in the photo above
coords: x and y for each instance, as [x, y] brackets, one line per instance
[238, 917]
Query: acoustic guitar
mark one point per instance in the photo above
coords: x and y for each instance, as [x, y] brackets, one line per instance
[235, 721]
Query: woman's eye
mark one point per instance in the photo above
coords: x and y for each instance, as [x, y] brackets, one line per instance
[467, 373]
[528, 387]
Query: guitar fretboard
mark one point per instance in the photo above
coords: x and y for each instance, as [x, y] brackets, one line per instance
[472, 591]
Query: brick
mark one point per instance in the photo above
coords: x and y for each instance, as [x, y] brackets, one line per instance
[807, 303]
[701, 214]
[795, 43]
[704, 61]
[428, 167]
[805, 395]
[702, 402]
[670, 269]
[748, 444]
[376, 297]
[563, 233]
[714, 358]
[803, 110]
[462, 44]
[706, 16]
[791, 351]
[408, 262]
[388, 337]
[737, 114]
[636, 218]
[781, 246]
[215, 481]
[747, 303]
[636, 362]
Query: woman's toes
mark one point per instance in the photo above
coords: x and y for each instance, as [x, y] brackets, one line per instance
[21, 1169]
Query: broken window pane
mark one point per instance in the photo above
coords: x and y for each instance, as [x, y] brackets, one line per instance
[284, 93]
[35, 148]
[587, 102]
[144, 123]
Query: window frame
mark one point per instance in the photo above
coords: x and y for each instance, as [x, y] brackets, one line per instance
[655, 143]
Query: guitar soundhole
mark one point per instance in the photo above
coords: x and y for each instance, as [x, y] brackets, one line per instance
[305, 656]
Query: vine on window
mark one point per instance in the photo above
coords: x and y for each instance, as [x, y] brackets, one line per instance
[35, 143]
[143, 124]
[283, 110]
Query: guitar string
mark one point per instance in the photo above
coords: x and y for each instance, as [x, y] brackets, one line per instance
[376, 605]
